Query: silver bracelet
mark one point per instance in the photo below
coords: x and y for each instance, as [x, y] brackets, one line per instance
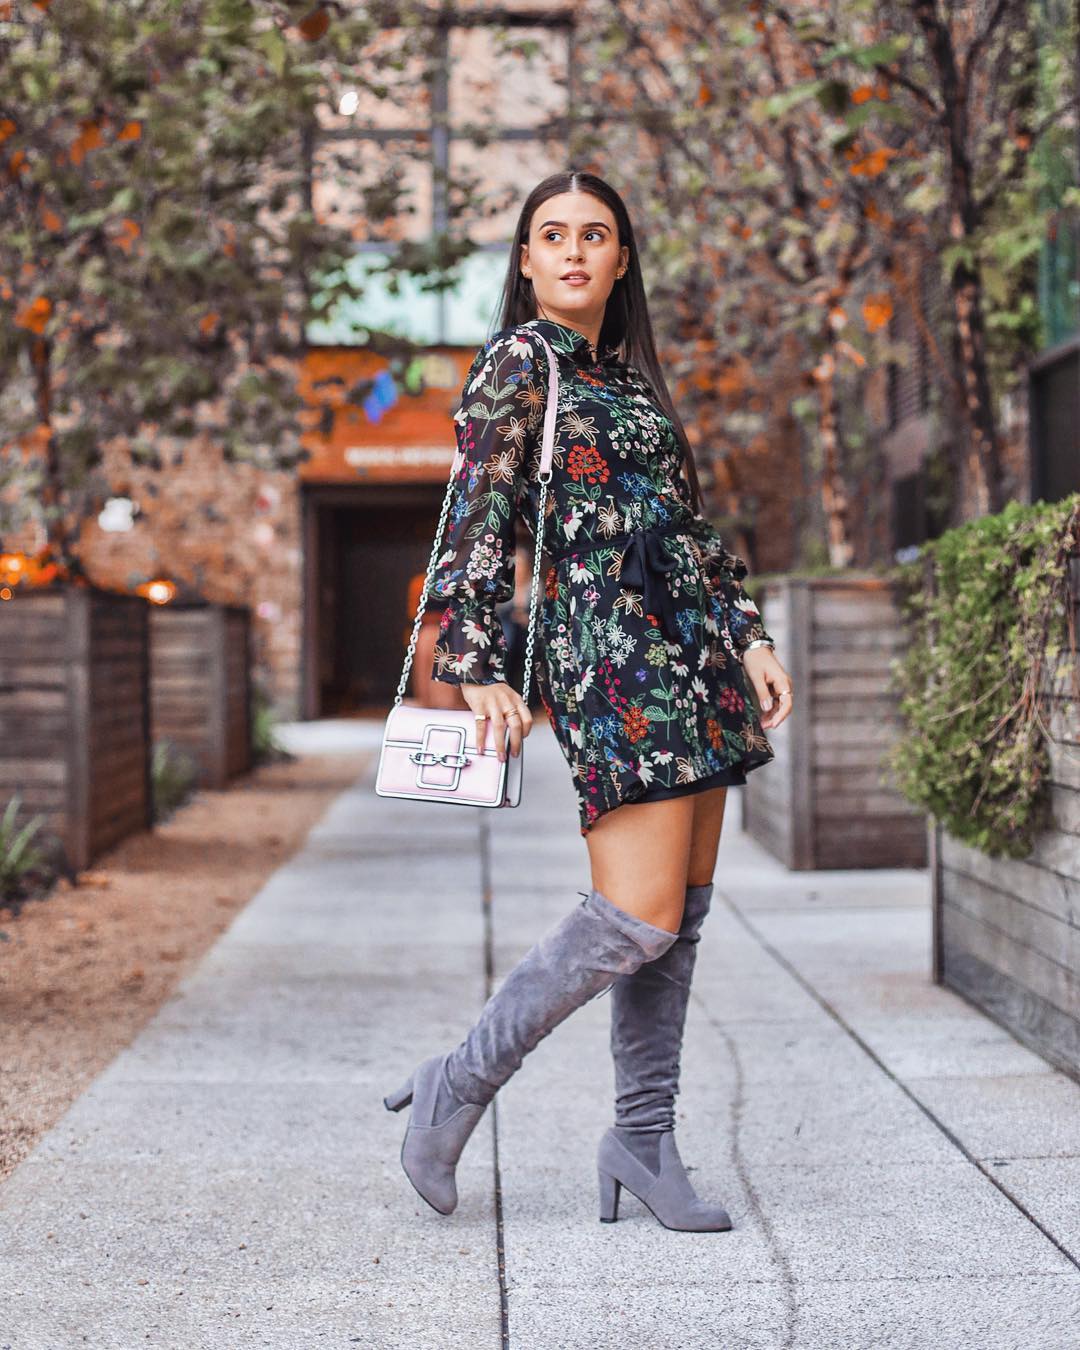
[759, 642]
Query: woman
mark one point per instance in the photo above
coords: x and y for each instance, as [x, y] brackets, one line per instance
[650, 651]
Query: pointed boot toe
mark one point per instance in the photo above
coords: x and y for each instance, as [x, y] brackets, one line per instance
[668, 1195]
[430, 1151]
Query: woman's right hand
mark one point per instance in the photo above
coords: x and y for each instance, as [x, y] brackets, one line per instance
[497, 701]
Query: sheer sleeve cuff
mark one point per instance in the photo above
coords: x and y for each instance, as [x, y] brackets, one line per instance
[471, 646]
[725, 572]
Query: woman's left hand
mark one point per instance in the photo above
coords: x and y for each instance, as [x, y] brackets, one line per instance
[770, 680]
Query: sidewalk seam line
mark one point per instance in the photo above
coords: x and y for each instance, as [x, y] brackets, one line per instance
[867, 1050]
[489, 982]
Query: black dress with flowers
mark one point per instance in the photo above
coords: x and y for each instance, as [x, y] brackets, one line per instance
[644, 618]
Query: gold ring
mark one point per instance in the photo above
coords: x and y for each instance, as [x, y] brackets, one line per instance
[785, 693]
[480, 717]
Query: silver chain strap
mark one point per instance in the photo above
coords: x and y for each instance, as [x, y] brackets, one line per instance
[439, 533]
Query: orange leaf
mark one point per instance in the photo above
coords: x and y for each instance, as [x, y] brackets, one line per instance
[315, 24]
[7, 128]
[35, 315]
[730, 382]
[131, 131]
[862, 93]
[127, 234]
[877, 310]
[50, 219]
[852, 353]
[208, 323]
[873, 163]
[16, 163]
[88, 139]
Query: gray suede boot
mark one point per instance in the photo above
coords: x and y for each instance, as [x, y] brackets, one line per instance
[648, 1015]
[584, 954]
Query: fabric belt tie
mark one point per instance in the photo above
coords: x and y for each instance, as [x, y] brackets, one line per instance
[645, 564]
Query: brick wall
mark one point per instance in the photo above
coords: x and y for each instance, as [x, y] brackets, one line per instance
[226, 532]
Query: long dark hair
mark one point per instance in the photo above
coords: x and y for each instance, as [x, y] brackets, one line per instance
[626, 317]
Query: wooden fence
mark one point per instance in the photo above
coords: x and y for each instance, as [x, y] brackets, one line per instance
[201, 686]
[75, 713]
[827, 799]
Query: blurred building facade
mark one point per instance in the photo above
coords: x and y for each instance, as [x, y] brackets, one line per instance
[324, 557]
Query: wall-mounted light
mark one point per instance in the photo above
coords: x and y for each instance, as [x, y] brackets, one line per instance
[12, 567]
[158, 592]
[117, 515]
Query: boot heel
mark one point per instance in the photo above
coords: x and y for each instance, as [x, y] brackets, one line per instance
[609, 1197]
[402, 1097]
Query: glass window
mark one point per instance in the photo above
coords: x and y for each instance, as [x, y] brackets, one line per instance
[466, 132]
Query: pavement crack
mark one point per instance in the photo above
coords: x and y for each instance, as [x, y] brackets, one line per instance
[742, 1171]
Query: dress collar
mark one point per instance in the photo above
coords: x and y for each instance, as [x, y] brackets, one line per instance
[569, 341]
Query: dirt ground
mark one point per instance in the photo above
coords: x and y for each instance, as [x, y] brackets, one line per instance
[82, 969]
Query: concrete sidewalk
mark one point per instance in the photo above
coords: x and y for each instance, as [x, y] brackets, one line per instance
[900, 1172]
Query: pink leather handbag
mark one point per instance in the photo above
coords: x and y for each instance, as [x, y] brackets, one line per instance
[431, 754]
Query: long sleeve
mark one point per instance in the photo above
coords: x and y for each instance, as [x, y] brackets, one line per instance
[725, 572]
[500, 411]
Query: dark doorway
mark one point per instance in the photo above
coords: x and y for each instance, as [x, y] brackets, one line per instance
[362, 548]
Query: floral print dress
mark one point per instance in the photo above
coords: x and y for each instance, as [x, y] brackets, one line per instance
[643, 617]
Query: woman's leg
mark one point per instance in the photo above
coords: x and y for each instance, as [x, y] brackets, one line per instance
[705, 835]
[639, 855]
[599, 940]
[648, 1016]
[648, 1006]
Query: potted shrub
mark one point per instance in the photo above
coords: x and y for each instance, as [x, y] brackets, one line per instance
[990, 695]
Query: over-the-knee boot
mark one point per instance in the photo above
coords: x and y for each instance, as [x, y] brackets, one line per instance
[648, 1016]
[580, 957]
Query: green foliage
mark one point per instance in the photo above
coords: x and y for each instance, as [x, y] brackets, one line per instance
[265, 746]
[174, 775]
[161, 236]
[986, 606]
[22, 863]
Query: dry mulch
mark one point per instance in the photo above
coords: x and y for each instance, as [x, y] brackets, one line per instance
[85, 967]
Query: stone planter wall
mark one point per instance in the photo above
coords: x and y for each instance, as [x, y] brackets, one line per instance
[827, 800]
[75, 714]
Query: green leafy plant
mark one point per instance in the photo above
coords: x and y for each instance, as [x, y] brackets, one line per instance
[20, 858]
[174, 775]
[988, 609]
[265, 746]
